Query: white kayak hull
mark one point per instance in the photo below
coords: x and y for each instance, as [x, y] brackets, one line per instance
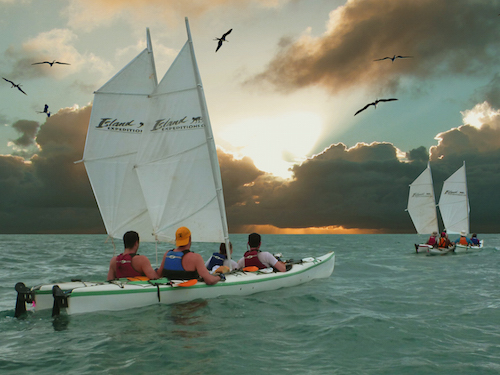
[84, 297]
[469, 249]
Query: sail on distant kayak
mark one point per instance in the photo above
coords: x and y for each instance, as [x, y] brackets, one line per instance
[454, 202]
[422, 203]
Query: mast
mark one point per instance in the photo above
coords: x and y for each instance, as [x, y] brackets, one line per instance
[211, 145]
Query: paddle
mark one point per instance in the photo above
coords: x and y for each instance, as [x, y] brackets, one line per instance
[188, 283]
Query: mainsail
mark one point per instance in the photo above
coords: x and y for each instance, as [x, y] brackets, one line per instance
[454, 202]
[155, 168]
[422, 204]
[119, 117]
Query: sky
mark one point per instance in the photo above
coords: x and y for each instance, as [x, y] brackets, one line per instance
[281, 93]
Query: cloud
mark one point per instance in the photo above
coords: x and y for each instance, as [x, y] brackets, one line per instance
[87, 14]
[28, 130]
[49, 193]
[362, 188]
[444, 38]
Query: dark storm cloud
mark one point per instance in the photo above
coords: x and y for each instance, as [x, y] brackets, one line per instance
[50, 193]
[364, 187]
[444, 38]
[28, 130]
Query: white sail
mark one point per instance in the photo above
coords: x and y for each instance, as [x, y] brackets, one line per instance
[150, 153]
[119, 114]
[175, 160]
[454, 202]
[422, 204]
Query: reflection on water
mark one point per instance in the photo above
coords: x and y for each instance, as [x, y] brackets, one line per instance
[189, 314]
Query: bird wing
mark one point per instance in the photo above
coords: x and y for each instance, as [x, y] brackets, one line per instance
[226, 33]
[219, 45]
[403, 57]
[42, 62]
[20, 89]
[57, 62]
[8, 81]
[362, 109]
[386, 100]
[385, 58]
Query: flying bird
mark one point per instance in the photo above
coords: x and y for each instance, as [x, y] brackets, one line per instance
[50, 63]
[45, 110]
[222, 39]
[394, 58]
[374, 104]
[14, 85]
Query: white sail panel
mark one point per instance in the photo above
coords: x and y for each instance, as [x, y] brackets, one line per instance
[454, 202]
[422, 204]
[173, 161]
[119, 115]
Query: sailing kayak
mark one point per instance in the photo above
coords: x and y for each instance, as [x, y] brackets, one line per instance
[76, 297]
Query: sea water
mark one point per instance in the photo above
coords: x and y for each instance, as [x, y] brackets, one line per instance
[384, 310]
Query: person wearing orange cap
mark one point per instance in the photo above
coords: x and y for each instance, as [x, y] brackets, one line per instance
[182, 264]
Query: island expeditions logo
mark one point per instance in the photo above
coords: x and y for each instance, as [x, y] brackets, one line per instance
[179, 124]
[107, 123]
[422, 195]
[455, 192]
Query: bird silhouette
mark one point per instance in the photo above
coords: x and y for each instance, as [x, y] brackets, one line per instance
[14, 85]
[374, 104]
[45, 109]
[222, 39]
[50, 63]
[394, 58]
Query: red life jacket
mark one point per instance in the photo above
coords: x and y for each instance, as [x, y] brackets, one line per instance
[252, 259]
[124, 266]
[463, 241]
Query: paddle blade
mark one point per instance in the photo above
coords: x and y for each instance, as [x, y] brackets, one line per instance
[251, 269]
[188, 283]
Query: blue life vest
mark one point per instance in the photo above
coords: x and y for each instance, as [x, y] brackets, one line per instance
[173, 269]
[217, 259]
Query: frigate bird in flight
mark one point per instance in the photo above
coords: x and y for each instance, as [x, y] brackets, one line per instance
[45, 110]
[374, 104]
[14, 85]
[394, 58]
[222, 39]
[50, 63]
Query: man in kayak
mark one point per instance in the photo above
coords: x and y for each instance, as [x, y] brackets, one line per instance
[464, 240]
[182, 264]
[261, 259]
[129, 263]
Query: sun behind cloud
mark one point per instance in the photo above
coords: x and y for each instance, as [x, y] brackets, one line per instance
[275, 143]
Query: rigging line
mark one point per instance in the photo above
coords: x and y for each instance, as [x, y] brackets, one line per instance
[119, 93]
[172, 92]
[106, 157]
[171, 156]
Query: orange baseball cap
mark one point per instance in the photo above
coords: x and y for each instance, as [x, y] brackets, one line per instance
[182, 236]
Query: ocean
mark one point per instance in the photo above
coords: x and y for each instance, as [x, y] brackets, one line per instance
[384, 310]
